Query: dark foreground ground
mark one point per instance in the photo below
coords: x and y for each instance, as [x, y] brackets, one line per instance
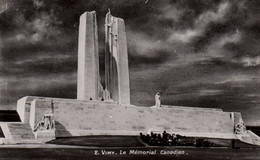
[120, 147]
[151, 153]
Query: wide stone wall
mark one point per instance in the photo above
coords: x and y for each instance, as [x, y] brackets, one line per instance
[114, 119]
[75, 118]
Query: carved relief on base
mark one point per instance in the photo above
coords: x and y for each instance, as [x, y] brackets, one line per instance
[240, 128]
[46, 123]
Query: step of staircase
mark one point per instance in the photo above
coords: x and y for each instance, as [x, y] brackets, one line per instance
[245, 138]
[255, 138]
[21, 133]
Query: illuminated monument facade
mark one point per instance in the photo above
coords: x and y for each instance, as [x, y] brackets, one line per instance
[88, 86]
[107, 110]
[116, 60]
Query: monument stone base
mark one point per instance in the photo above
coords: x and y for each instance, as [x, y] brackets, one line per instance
[45, 136]
[85, 118]
[73, 117]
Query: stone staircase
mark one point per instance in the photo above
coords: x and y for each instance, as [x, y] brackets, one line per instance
[255, 138]
[249, 138]
[16, 133]
[13, 131]
[245, 138]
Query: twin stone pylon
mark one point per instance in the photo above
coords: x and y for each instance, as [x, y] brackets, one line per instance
[88, 60]
[116, 60]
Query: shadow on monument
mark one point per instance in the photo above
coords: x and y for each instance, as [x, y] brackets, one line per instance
[61, 130]
[100, 141]
[114, 80]
[97, 140]
[1, 133]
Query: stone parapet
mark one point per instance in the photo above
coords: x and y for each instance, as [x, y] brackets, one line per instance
[74, 118]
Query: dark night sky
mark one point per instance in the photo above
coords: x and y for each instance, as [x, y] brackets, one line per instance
[195, 52]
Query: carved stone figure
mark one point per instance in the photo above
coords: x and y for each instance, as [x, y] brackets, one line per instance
[47, 123]
[240, 128]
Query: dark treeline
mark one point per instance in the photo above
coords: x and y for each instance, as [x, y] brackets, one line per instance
[166, 139]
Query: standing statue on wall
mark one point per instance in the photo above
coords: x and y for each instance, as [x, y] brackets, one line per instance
[47, 123]
[157, 100]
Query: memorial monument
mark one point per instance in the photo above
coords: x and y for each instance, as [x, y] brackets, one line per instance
[106, 110]
[88, 86]
[116, 60]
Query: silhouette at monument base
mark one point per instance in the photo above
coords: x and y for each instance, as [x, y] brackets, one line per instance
[166, 139]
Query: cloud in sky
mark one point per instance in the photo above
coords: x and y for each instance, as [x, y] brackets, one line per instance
[250, 61]
[171, 12]
[197, 53]
[201, 23]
